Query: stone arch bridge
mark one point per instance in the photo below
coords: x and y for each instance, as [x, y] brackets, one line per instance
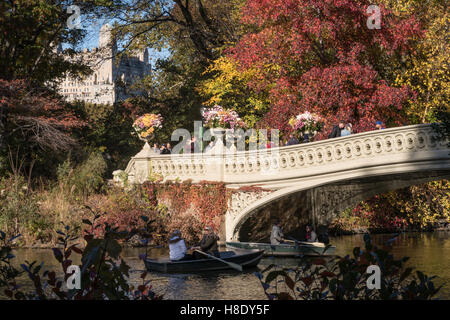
[306, 183]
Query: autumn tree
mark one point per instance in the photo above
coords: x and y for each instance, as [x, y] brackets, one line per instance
[34, 122]
[427, 70]
[189, 34]
[227, 85]
[32, 117]
[321, 56]
[202, 25]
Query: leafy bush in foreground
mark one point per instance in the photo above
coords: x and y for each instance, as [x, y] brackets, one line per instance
[104, 274]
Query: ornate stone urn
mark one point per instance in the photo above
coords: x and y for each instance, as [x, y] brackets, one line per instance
[219, 134]
[146, 151]
[308, 136]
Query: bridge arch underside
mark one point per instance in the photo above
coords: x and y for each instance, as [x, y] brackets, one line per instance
[318, 205]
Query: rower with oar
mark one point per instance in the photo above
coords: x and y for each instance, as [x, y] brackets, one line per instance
[311, 236]
[208, 244]
[276, 236]
[208, 248]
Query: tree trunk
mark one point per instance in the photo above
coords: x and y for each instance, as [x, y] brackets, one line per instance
[3, 124]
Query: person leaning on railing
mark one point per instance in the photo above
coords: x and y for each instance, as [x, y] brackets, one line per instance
[348, 130]
[379, 125]
[337, 130]
[156, 148]
[165, 149]
[292, 140]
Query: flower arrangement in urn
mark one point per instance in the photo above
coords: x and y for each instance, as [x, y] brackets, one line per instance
[218, 117]
[307, 124]
[146, 124]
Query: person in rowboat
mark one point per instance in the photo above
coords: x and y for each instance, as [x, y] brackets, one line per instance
[177, 247]
[311, 236]
[208, 244]
[276, 236]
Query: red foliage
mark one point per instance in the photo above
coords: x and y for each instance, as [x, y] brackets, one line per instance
[37, 114]
[169, 206]
[251, 189]
[25, 101]
[122, 209]
[207, 201]
[326, 60]
[380, 214]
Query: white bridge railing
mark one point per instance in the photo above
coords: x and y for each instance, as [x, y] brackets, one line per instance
[416, 143]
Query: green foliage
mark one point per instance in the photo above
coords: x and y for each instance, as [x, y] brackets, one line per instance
[88, 176]
[84, 179]
[19, 209]
[108, 131]
[417, 207]
[345, 278]
[170, 91]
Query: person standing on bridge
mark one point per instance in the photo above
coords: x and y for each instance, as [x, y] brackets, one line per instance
[337, 130]
[347, 130]
[164, 149]
[292, 140]
[156, 148]
[194, 144]
[276, 236]
[379, 125]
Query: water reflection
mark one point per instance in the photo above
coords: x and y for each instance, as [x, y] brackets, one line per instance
[429, 252]
[209, 286]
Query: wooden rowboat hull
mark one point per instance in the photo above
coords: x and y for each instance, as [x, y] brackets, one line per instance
[284, 249]
[247, 258]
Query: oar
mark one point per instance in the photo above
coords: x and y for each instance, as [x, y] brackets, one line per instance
[231, 264]
[294, 240]
[317, 244]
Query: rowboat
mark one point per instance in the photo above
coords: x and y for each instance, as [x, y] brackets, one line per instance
[245, 258]
[295, 249]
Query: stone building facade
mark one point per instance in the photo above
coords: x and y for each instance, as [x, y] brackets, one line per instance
[111, 75]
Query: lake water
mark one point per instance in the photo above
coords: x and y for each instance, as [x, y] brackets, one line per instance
[428, 252]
